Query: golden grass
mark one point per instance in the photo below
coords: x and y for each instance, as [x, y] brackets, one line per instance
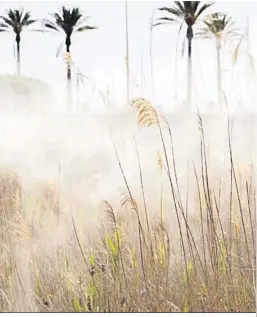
[131, 260]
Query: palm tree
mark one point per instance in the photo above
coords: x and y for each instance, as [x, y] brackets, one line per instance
[16, 21]
[68, 21]
[186, 12]
[218, 26]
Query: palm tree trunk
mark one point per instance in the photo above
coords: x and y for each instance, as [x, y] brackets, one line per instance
[189, 67]
[69, 90]
[219, 79]
[68, 68]
[18, 39]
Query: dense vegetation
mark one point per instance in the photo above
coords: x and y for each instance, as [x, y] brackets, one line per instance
[148, 250]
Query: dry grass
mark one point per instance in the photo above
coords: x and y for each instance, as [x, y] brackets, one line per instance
[133, 260]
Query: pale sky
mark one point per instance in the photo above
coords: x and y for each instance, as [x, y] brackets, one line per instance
[100, 54]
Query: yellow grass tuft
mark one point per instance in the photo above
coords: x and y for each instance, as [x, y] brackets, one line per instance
[147, 115]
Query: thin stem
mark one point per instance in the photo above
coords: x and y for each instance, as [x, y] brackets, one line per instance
[127, 53]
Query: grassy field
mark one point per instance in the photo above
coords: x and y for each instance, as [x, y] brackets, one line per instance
[162, 219]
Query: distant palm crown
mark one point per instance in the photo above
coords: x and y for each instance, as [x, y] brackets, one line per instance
[68, 21]
[185, 11]
[16, 21]
[219, 24]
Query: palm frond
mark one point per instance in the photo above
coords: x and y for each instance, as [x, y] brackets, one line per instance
[61, 22]
[193, 5]
[203, 33]
[29, 22]
[82, 21]
[86, 27]
[38, 30]
[7, 21]
[50, 25]
[175, 15]
[26, 18]
[75, 15]
[160, 23]
[18, 15]
[173, 11]
[11, 15]
[203, 8]
[166, 19]
[4, 26]
[179, 5]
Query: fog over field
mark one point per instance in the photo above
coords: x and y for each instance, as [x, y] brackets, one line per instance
[77, 151]
[128, 184]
